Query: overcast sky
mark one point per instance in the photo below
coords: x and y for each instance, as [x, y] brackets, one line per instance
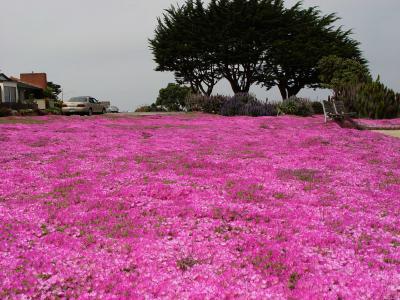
[100, 48]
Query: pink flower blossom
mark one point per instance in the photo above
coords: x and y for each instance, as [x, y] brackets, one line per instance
[197, 207]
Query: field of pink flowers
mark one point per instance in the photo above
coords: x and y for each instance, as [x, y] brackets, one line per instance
[197, 207]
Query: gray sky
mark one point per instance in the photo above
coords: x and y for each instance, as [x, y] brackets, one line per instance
[100, 48]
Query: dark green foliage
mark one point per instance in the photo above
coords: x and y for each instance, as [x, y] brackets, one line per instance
[173, 97]
[339, 73]
[53, 111]
[304, 108]
[241, 34]
[247, 105]
[248, 42]
[214, 104]
[371, 100]
[27, 104]
[287, 107]
[296, 106]
[307, 37]
[186, 263]
[293, 280]
[195, 102]
[5, 111]
[352, 83]
[45, 230]
[179, 46]
[58, 104]
[207, 104]
[52, 91]
[150, 108]
[30, 112]
[317, 107]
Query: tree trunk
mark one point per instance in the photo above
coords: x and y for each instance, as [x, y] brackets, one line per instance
[194, 88]
[234, 85]
[206, 91]
[287, 91]
[237, 89]
[283, 90]
[293, 91]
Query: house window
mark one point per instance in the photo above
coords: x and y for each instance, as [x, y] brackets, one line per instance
[10, 94]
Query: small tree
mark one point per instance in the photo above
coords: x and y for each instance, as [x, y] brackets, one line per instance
[52, 91]
[371, 100]
[173, 97]
[339, 73]
[352, 83]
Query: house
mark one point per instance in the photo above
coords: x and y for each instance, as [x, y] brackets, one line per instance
[8, 89]
[16, 90]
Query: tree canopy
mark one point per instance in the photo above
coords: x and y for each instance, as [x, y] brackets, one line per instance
[52, 90]
[248, 42]
[179, 46]
[337, 73]
[173, 97]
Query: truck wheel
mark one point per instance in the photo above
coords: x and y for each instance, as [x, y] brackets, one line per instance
[90, 112]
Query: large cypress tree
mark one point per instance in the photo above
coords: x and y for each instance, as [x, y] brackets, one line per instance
[179, 46]
[248, 42]
[241, 36]
[307, 37]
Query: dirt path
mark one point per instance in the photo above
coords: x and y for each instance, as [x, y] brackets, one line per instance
[395, 133]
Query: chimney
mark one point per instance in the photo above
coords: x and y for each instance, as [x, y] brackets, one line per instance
[38, 79]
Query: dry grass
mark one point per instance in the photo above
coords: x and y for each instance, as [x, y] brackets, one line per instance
[20, 120]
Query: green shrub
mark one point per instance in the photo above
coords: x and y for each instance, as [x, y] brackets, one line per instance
[287, 107]
[317, 107]
[213, 104]
[232, 107]
[26, 104]
[247, 105]
[150, 108]
[173, 97]
[337, 73]
[296, 106]
[5, 111]
[195, 102]
[304, 108]
[199, 102]
[58, 104]
[235, 105]
[372, 100]
[53, 111]
[27, 112]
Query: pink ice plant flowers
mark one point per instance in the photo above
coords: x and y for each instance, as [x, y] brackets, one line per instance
[197, 207]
